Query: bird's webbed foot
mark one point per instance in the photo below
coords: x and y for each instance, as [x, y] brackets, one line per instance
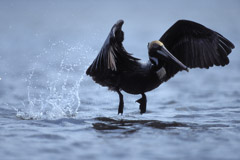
[143, 103]
[121, 103]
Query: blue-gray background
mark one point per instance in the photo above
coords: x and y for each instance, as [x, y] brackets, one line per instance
[49, 109]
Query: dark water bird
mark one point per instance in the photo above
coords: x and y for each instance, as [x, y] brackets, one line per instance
[184, 45]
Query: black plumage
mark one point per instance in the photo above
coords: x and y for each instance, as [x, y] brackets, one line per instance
[195, 46]
[185, 45]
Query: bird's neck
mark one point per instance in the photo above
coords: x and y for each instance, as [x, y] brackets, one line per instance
[159, 70]
[154, 67]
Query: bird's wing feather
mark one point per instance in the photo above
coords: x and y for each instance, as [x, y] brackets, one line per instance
[112, 58]
[195, 46]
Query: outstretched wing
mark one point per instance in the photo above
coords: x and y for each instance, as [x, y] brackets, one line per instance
[112, 58]
[195, 46]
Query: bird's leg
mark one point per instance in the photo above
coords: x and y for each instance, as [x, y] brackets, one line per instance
[121, 103]
[143, 103]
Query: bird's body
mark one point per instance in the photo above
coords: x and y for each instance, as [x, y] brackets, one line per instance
[141, 80]
[185, 44]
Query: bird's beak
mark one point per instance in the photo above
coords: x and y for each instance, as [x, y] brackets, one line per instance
[165, 53]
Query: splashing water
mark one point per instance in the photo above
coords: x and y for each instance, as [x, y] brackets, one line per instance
[54, 82]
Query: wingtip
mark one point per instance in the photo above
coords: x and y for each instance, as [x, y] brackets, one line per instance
[120, 22]
[233, 46]
[118, 25]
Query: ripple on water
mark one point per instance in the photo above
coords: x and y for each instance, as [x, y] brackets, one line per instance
[64, 121]
[183, 116]
[190, 108]
[47, 136]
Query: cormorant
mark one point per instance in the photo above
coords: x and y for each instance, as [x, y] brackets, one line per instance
[184, 45]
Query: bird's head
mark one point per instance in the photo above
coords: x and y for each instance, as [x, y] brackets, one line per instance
[158, 53]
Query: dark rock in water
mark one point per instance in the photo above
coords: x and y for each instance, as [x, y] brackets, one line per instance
[103, 126]
[112, 124]
[164, 125]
